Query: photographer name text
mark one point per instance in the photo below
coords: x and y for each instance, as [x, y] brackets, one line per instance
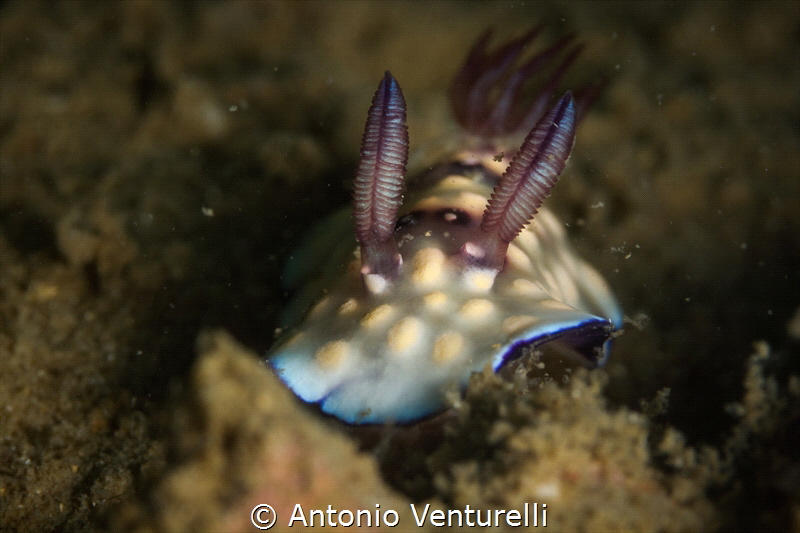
[529, 515]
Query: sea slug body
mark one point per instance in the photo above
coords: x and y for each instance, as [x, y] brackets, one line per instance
[454, 277]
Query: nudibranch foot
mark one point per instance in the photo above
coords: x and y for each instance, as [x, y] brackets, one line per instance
[399, 306]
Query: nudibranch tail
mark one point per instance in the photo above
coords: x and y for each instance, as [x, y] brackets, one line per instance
[523, 187]
[378, 186]
[488, 111]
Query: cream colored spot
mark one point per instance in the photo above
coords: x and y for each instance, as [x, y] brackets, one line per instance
[476, 308]
[569, 288]
[354, 269]
[42, 291]
[435, 299]
[428, 265]
[348, 307]
[550, 282]
[320, 306]
[447, 346]
[377, 316]
[470, 201]
[455, 181]
[526, 287]
[516, 323]
[549, 224]
[404, 334]
[480, 279]
[515, 256]
[474, 250]
[332, 354]
[527, 241]
[354, 266]
[555, 305]
[431, 202]
[294, 339]
[376, 283]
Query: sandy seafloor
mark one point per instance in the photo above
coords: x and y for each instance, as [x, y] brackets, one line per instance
[159, 161]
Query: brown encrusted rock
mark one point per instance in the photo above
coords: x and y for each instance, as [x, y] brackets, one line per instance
[562, 447]
[250, 442]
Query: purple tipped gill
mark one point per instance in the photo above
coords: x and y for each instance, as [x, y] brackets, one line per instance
[481, 71]
[508, 111]
[378, 186]
[537, 108]
[487, 94]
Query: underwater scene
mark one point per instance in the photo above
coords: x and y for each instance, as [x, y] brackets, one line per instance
[226, 304]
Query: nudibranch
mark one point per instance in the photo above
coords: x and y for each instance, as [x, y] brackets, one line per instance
[455, 277]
